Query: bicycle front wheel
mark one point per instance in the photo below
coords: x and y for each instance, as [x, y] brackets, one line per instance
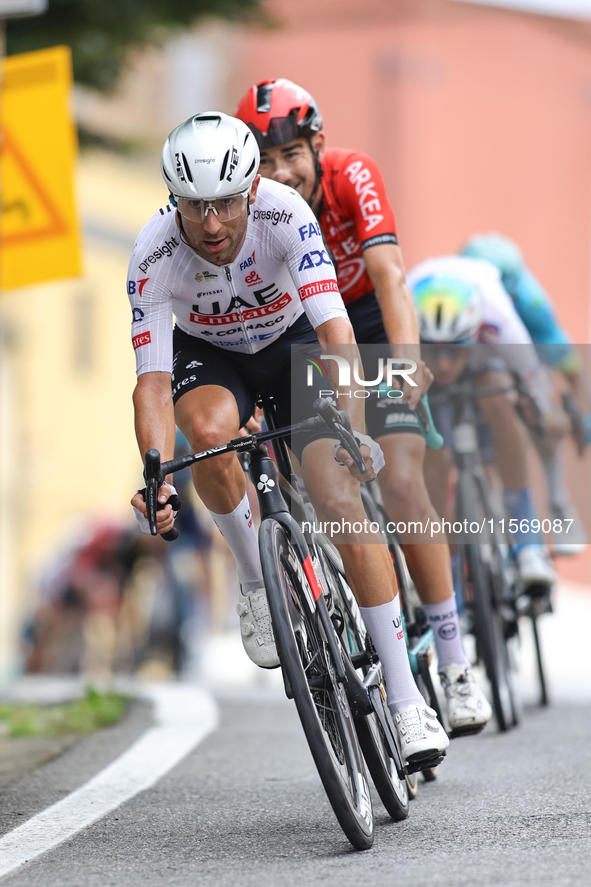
[320, 699]
[392, 790]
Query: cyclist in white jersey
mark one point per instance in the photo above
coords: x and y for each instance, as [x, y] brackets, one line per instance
[461, 300]
[243, 267]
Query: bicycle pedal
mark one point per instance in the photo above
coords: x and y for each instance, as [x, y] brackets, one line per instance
[466, 731]
[415, 765]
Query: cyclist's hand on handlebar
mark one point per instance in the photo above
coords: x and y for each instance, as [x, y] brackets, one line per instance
[254, 424]
[164, 517]
[372, 456]
[423, 377]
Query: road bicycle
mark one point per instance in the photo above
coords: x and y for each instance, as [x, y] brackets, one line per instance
[491, 591]
[329, 665]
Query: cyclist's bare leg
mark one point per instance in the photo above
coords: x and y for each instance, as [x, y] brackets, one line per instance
[406, 499]
[510, 443]
[336, 497]
[208, 416]
[436, 470]
[507, 431]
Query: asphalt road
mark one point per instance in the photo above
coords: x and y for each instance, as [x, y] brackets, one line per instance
[246, 808]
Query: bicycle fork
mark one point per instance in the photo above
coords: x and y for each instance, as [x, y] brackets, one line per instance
[363, 696]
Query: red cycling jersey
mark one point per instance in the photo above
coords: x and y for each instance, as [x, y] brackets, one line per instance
[356, 213]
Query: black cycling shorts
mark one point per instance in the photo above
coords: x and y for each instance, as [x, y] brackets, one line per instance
[381, 416]
[267, 373]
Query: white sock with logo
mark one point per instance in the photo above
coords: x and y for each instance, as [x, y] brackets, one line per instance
[385, 627]
[443, 619]
[238, 530]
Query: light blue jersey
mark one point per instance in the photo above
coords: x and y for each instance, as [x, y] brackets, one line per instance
[532, 302]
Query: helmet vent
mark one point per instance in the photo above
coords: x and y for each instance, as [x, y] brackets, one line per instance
[438, 314]
[250, 168]
[165, 173]
[187, 170]
[224, 165]
[264, 97]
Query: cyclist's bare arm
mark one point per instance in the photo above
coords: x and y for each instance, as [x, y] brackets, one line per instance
[386, 271]
[155, 428]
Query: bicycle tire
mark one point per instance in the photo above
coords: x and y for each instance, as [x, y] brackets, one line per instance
[323, 710]
[490, 640]
[544, 699]
[485, 571]
[392, 790]
[412, 784]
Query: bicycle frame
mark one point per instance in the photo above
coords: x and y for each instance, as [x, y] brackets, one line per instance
[266, 480]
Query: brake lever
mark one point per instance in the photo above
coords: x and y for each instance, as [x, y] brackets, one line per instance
[333, 419]
[154, 479]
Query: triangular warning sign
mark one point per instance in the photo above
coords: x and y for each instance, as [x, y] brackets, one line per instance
[28, 213]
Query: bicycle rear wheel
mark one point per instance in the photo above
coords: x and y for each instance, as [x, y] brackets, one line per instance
[491, 645]
[320, 699]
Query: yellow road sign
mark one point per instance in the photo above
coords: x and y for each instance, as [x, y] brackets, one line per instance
[39, 230]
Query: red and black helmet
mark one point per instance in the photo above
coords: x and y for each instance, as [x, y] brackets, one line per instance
[278, 111]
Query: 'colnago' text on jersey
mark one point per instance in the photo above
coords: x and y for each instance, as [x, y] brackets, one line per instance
[356, 214]
[282, 270]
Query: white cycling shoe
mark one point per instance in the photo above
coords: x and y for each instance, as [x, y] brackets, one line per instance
[534, 566]
[256, 630]
[422, 738]
[468, 710]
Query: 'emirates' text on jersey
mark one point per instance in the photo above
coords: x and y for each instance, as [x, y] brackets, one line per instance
[356, 214]
[282, 270]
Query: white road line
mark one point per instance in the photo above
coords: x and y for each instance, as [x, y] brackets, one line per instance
[185, 715]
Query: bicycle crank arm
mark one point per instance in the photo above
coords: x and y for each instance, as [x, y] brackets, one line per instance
[357, 692]
[379, 708]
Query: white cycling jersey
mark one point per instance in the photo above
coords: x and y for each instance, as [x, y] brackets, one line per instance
[501, 331]
[282, 270]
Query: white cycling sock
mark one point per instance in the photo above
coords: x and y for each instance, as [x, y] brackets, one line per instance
[443, 619]
[238, 530]
[557, 489]
[385, 627]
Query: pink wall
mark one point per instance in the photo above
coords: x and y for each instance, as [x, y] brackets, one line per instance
[479, 120]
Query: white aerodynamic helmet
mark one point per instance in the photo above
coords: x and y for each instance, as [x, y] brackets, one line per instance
[450, 310]
[210, 156]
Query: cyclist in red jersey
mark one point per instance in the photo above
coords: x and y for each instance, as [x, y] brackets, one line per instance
[346, 192]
